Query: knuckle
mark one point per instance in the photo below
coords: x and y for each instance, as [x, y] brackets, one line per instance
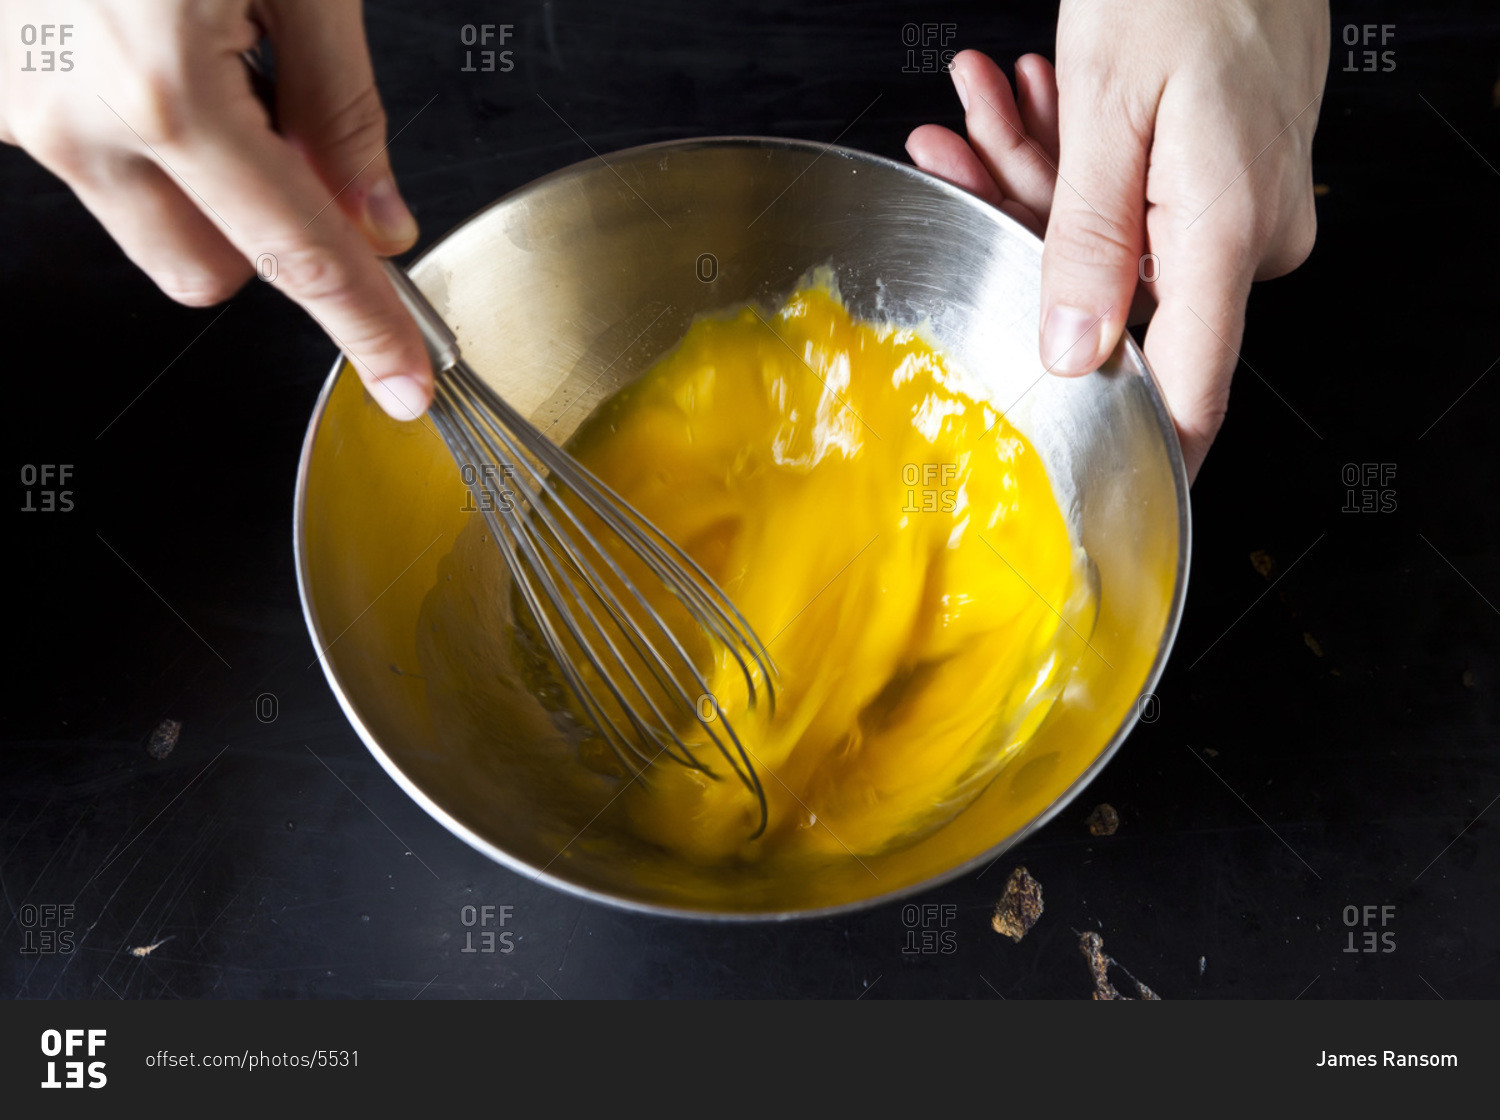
[1086, 47]
[1095, 76]
[43, 131]
[313, 272]
[157, 109]
[358, 124]
[1091, 243]
[1089, 68]
[1090, 78]
[377, 341]
[56, 149]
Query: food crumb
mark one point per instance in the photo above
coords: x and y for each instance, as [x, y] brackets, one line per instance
[147, 950]
[1019, 907]
[1320, 189]
[1104, 820]
[1211, 752]
[1091, 945]
[164, 739]
[1312, 644]
[1468, 678]
[1262, 562]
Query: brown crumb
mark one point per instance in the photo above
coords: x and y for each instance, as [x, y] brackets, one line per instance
[1468, 678]
[1019, 907]
[1262, 562]
[164, 739]
[1091, 945]
[1103, 821]
[147, 950]
[1320, 189]
[1312, 643]
[1211, 752]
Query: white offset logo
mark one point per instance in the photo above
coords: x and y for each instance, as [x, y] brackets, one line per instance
[66, 1044]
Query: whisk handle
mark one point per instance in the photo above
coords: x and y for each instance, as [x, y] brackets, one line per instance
[442, 344]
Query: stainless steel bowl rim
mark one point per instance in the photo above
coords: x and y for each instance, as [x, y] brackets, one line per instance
[981, 862]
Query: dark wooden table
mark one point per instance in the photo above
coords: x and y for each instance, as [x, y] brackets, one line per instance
[1327, 733]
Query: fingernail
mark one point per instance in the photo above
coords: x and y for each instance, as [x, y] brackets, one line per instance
[387, 213]
[963, 90]
[1070, 340]
[403, 397]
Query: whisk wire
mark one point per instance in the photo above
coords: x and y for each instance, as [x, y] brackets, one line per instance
[738, 758]
[538, 563]
[659, 552]
[502, 533]
[545, 537]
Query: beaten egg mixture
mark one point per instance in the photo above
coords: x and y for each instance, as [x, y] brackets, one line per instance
[894, 542]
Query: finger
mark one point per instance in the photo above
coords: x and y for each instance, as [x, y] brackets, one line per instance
[1036, 97]
[328, 107]
[1096, 228]
[997, 135]
[944, 153]
[1190, 352]
[272, 203]
[1194, 338]
[167, 236]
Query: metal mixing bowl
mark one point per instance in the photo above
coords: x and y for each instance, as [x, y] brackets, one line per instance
[570, 288]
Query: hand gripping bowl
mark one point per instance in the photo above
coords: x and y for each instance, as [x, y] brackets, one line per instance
[570, 288]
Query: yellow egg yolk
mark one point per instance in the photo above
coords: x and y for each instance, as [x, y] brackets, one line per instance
[894, 543]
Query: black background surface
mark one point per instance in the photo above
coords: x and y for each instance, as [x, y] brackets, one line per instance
[1350, 708]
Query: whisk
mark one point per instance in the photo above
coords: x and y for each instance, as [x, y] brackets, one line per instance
[577, 590]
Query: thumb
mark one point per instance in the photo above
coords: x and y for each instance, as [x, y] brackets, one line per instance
[327, 107]
[1091, 256]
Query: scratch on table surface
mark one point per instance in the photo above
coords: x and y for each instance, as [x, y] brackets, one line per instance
[48, 864]
[323, 902]
[204, 840]
[224, 911]
[6, 822]
[27, 981]
[571, 932]
[23, 835]
[9, 904]
[175, 798]
[55, 852]
[163, 980]
[259, 902]
[104, 910]
[209, 841]
[90, 927]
